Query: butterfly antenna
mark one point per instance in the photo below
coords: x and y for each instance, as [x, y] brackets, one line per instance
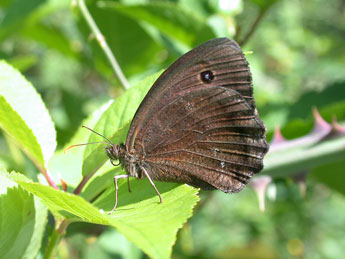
[99, 134]
[84, 144]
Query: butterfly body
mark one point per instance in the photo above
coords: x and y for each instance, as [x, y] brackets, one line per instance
[198, 124]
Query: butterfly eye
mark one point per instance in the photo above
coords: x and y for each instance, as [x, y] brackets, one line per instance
[207, 76]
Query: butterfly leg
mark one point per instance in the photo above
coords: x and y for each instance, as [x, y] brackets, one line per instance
[152, 183]
[116, 189]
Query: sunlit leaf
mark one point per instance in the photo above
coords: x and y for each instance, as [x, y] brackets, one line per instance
[24, 115]
[139, 217]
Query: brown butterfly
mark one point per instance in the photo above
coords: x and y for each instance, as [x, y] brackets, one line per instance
[198, 124]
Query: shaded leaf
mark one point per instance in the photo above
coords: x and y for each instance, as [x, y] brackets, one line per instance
[263, 4]
[22, 63]
[134, 56]
[16, 14]
[330, 174]
[50, 37]
[329, 96]
[172, 20]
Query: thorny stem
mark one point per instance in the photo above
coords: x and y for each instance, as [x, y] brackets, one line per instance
[291, 161]
[103, 43]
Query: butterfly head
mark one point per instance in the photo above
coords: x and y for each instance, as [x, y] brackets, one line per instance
[116, 152]
[112, 152]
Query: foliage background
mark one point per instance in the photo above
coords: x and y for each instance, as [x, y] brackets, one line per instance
[297, 62]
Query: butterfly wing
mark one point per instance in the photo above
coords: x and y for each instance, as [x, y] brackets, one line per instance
[205, 134]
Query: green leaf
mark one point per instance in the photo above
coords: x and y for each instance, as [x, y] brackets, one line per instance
[114, 123]
[171, 19]
[16, 14]
[51, 37]
[324, 100]
[68, 165]
[133, 56]
[330, 174]
[115, 243]
[264, 4]
[15, 126]
[139, 217]
[22, 63]
[22, 220]
[24, 116]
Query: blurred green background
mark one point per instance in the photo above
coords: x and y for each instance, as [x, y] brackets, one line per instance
[297, 58]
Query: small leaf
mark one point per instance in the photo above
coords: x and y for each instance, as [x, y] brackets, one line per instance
[24, 116]
[22, 220]
[24, 62]
[148, 224]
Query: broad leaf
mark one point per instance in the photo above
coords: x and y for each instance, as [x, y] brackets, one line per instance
[22, 220]
[139, 217]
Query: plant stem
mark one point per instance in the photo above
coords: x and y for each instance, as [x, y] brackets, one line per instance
[55, 238]
[82, 184]
[49, 179]
[103, 43]
[253, 27]
[43, 171]
[86, 179]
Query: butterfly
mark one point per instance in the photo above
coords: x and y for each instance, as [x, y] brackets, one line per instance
[197, 125]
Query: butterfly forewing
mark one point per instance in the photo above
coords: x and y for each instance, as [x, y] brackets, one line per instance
[203, 132]
[222, 56]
